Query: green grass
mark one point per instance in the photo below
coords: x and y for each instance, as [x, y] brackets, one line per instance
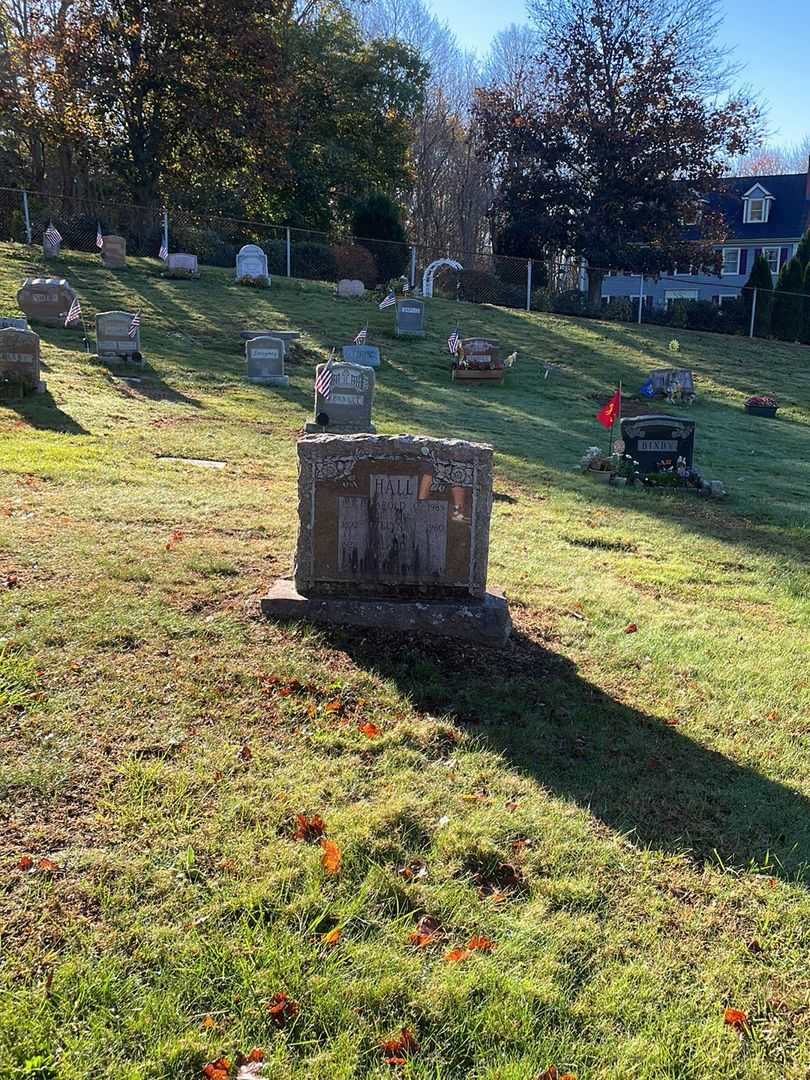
[637, 803]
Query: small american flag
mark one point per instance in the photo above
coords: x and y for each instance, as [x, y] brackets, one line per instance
[135, 325]
[360, 336]
[164, 251]
[75, 312]
[323, 380]
[388, 301]
[453, 342]
[52, 235]
[99, 237]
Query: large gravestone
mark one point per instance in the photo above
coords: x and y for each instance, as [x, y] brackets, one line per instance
[351, 398]
[287, 336]
[367, 355]
[656, 442]
[265, 361]
[19, 361]
[10, 323]
[349, 288]
[394, 533]
[481, 352]
[46, 300]
[410, 318]
[112, 337]
[114, 252]
[251, 262]
[183, 262]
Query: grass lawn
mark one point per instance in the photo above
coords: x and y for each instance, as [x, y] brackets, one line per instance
[621, 817]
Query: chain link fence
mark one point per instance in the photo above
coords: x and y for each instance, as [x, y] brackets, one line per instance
[557, 285]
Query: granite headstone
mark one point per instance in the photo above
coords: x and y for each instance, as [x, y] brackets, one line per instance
[410, 318]
[348, 288]
[265, 361]
[251, 262]
[112, 337]
[19, 359]
[181, 260]
[46, 300]
[367, 355]
[11, 323]
[114, 252]
[348, 407]
[656, 442]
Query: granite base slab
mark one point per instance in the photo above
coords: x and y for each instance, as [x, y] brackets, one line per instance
[311, 428]
[269, 380]
[484, 621]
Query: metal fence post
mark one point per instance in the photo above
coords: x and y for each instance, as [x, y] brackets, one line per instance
[289, 254]
[640, 299]
[753, 313]
[27, 217]
[529, 285]
[413, 266]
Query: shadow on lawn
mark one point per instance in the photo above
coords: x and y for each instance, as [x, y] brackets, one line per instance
[631, 770]
[41, 411]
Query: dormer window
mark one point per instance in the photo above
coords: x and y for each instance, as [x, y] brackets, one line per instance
[756, 205]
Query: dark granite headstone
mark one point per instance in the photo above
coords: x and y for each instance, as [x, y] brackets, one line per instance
[368, 355]
[410, 318]
[19, 360]
[265, 361]
[656, 442]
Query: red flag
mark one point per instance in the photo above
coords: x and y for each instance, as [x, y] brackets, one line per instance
[607, 415]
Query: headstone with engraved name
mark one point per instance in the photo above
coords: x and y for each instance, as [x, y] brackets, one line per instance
[410, 318]
[251, 262]
[367, 355]
[113, 341]
[114, 252]
[347, 409]
[10, 323]
[663, 378]
[349, 288]
[19, 361]
[183, 262]
[656, 442]
[265, 361]
[394, 533]
[481, 352]
[46, 300]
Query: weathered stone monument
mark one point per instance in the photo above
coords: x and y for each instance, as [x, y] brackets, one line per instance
[113, 341]
[367, 355]
[349, 288]
[347, 408]
[287, 336]
[265, 361]
[251, 262]
[19, 362]
[481, 352]
[394, 533]
[656, 442]
[10, 323]
[46, 300]
[410, 319]
[114, 252]
[182, 263]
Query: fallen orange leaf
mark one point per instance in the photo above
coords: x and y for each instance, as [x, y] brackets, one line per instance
[332, 938]
[208, 1023]
[309, 828]
[396, 1051]
[282, 1008]
[334, 706]
[48, 865]
[25, 863]
[332, 856]
[369, 729]
[735, 1017]
[421, 941]
[217, 1070]
[455, 955]
[631, 628]
[483, 944]
[246, 753]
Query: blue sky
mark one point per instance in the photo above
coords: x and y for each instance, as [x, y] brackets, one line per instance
[771, 41]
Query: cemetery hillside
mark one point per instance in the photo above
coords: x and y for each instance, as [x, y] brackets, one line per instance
[358, 853]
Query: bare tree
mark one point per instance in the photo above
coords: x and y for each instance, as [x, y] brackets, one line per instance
[770, 160]
[511, 65]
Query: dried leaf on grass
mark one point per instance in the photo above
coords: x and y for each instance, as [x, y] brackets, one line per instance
[309, 828]
[397, 1051]
[332, 856]
[735, 1018]
[282, 1008]
[332, 937]
[370, 730]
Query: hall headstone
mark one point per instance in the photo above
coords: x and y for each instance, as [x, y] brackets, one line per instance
[19, 361]
[349, 288]
[265, 361]
[410, 318]
[112, 337]
[656, 442]
[367, 355]
[351, 398]
[46, 300]
[251, 262]
[394, 533]
[114, 252]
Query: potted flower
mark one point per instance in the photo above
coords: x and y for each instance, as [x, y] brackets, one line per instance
[597, 464]
[762, 405]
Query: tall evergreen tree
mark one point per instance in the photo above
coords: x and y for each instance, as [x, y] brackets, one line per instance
[786, 320]
[805, 334]
[760, 279]
[803, 250]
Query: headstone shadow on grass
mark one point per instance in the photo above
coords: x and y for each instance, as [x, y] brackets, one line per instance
[41, 411]
[632, 771]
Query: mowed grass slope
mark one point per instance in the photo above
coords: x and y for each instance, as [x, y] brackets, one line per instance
[623, 815]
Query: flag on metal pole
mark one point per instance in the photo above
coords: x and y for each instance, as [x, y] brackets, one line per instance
[323, 380]
[135, 325]
[453, 342]
[75, 312]
[99, 237]
[163, 254]
[52, 235]
[360, 336]
[388, 301]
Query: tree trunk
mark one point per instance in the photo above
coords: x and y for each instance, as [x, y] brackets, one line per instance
[595, 278]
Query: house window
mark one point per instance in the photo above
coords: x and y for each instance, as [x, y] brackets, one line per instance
[680, 294]
[725, 297]
[731, 261]
[771, 256]
[756, 211]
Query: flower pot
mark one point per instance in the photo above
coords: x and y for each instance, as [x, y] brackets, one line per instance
[604, 476]
[619, 481]
[762, 410]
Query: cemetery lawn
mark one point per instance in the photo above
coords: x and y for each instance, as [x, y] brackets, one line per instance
[622, 816]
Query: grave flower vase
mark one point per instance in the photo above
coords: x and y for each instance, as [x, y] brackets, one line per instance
[762, 410]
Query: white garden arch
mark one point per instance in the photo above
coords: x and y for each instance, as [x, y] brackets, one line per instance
[427, 277]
